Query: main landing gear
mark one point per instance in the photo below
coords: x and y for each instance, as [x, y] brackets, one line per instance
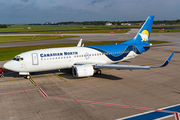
[98, 72]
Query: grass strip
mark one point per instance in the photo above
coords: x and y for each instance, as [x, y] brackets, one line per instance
[74, 32]
[7, 39]
[165, 30]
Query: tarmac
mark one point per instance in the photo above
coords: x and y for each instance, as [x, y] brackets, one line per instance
[114, 95]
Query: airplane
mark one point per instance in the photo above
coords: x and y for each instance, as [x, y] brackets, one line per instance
[86, 60]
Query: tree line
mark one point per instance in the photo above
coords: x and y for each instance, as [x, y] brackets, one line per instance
[158, 22]
[3, 26]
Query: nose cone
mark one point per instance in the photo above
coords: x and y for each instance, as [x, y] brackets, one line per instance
[8, 65]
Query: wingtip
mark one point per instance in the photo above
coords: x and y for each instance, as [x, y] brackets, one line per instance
[168, 60]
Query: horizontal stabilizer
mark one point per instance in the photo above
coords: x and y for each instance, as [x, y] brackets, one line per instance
[158, 45]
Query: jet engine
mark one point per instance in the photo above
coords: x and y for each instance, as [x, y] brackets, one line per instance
[82, 70]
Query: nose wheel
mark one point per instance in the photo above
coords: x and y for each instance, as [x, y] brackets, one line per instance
[27, 77]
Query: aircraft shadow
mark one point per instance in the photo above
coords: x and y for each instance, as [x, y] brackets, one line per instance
[126, 61]
[12, 74]
[66, 73]
[103, 76]
[109, 77]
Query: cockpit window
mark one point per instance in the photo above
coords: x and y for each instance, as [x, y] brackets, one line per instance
[17, 58]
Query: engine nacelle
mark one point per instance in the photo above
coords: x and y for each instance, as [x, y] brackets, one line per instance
[82, 70]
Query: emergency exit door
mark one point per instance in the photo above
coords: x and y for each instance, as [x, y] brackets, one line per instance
[35, 59]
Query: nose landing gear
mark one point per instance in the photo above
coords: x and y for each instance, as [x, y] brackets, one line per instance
[27, 77]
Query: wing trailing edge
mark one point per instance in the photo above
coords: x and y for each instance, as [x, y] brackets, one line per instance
[132, 67]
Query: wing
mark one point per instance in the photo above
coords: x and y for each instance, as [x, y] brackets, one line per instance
[131, 67]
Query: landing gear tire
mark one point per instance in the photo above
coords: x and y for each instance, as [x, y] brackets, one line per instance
[28, 77]
[99, 72]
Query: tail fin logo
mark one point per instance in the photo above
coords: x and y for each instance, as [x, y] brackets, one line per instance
[144, 35]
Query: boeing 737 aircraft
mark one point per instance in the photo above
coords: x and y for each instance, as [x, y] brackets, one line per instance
[85, 60]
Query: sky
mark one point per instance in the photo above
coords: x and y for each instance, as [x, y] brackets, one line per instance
[41, 11]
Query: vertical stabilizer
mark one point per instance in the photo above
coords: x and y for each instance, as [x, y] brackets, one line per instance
[142, 37]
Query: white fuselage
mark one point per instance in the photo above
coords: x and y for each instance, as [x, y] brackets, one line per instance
[58, 58]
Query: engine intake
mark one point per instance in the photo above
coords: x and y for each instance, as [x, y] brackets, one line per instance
[82, 70]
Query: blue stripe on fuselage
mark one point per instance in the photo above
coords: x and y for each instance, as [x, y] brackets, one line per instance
[120, 51]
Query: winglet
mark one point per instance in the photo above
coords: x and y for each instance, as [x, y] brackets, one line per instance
[79, 43]
[167, 61]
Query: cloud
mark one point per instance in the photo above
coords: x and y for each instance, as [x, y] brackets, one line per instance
[28, 11]
[24, 0]
[110, 5]
[62, 9]
[93, 2]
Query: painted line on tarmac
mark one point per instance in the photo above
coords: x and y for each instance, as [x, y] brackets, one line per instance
[43, 93]
[159, 113]
[32, 81]
[17, 91]
[156, 115]
[60, 77]
[10, 77]
[165, 117]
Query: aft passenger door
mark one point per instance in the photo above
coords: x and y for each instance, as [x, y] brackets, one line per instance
[35, 59]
